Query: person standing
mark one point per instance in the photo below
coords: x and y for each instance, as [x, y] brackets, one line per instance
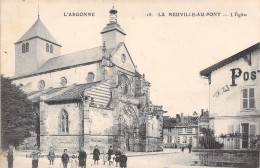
[96, 154]
[51, 156]
[65, 158]
[118, 155]
[189, 146]
[73, 162]
[35, 157]
[82, 158]
[109, 153]
[10, 157]
[123, 161]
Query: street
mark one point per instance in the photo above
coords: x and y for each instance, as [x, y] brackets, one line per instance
[168, 158]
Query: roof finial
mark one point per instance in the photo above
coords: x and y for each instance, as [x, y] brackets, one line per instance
[113, 15]
[38, 12]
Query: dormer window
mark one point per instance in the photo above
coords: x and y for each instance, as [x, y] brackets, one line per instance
[47, 47]
[51, 49]
[23, 48]
[27, 47]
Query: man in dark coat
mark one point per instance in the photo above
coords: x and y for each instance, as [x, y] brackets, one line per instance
[189, 147]
[82, 158]
[96, 154]
[109, 153]
[118, 155]
[65, 158]
[10, 157]
[123, 161]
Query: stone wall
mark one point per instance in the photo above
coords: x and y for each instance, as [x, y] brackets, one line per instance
[220, 157]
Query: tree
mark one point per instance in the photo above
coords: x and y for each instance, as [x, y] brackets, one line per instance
[208, 140]
[18, 116]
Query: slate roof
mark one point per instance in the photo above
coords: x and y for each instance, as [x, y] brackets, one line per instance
[111, 27]
[206, 72]
[73, 93]
[39, 93]
[69, 60]
[38, 30]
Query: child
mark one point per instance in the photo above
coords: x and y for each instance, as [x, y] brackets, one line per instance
[104, 158]
[73, 162]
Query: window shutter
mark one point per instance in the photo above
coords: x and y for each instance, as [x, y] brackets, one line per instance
[237, 128]
[251, 98]
[245, 97]
[252, 129]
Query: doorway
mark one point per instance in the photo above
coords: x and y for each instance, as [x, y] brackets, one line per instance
[245, 134]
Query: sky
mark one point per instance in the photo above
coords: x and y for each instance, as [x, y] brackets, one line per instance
[170, 50]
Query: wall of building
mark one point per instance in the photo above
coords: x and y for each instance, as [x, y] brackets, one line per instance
[30, 61]
[225, 100]
[117, 59]
[49, 122]
[53, 79]
[112, 38]
[26, 62]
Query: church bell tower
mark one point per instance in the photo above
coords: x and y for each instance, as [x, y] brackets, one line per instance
[113, 34]
[34, 48]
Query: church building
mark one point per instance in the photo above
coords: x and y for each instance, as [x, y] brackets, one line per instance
[87, 98]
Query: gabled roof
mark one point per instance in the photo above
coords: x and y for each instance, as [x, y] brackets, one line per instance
[111, 27]
[206, 72]
[69, 60]
[38, 30]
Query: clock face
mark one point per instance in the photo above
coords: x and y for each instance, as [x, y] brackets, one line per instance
[63, 81]
[41, 85]
[123, 58]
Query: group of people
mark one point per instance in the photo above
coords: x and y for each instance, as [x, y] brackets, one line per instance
[189, 147]
[118, 157]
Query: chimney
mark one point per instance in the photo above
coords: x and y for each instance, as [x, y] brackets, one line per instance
[202, 112]
[178, 117]
[182, 117]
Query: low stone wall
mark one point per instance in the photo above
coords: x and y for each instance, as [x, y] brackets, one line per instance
[226, 158]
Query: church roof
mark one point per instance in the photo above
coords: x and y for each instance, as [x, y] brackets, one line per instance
[111, 27]
[73, 93]
[99, 93]
[69, 60]
[38, 30]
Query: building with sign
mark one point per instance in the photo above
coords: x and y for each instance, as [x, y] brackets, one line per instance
[87, 98]
[234, 86]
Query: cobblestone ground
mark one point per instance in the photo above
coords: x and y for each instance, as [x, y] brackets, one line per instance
[167, 159]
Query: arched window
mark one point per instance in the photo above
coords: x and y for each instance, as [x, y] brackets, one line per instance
[23, 48]
[124, 84]
[90, 77]
[64, 122]
[47, 47]
[27, 47]
[51, 49]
